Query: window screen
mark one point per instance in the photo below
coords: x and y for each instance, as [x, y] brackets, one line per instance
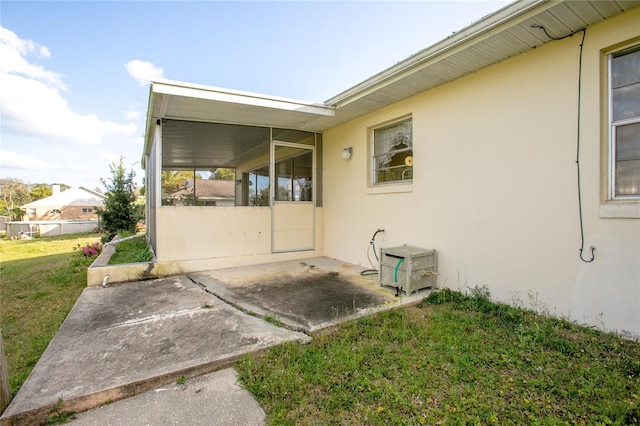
[393, 152]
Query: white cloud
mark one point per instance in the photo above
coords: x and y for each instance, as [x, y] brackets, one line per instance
[31, 100]
[15, 160]
[133, 112]
[14, 50]
[144, 71]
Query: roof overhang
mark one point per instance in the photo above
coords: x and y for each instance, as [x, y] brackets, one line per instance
[505, 33]
[191, 102]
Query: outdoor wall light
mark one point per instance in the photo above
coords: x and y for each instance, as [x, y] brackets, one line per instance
[346, 153]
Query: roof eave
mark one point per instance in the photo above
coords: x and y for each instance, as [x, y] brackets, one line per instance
[212, 93]
[162, 92]
[508, 15]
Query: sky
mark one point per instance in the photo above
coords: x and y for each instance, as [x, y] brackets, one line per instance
[74, 75]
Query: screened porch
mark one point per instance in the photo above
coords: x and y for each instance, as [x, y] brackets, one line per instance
[228, 190]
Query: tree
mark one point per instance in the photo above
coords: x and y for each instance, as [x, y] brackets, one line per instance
[40, 191]
[63, 186]
[173, 181]
[143, 188]
[120, 213]
[222, 174]
[14, 193]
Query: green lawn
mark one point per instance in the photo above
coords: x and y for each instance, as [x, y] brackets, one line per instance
[454, 359]
[40, 281]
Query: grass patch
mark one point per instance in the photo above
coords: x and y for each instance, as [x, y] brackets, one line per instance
[454, 359]
[272, 319]
[41, 279]
[59, 415]
[132, 251]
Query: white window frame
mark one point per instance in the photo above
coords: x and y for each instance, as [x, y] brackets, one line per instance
[613, 125]
[372, 153]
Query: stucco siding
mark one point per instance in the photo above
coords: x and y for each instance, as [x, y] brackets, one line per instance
[495, 189]
[211, 232]
[194, 232]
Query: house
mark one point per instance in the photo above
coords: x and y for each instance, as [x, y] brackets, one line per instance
[207, 193]
[511, 147]
[73, 204]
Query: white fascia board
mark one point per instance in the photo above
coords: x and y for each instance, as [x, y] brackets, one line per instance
[509, 15]
[149, 127]
[216, 94]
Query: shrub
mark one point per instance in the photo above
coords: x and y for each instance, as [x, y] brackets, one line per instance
[120, 212]
[89, 249]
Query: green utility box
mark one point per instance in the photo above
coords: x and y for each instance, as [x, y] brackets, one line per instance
[407, 268]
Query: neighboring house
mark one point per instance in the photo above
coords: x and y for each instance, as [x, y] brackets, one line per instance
[73, 204]
[207, 193]
[510, 149]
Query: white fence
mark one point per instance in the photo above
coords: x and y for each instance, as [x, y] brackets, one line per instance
[50, 228]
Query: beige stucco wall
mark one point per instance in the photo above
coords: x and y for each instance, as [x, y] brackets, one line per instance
[495, 189]
[206, 236]
[197, 232]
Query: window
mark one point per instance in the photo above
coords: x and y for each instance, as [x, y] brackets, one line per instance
[393, 152]
[56, 211]
[293, 176]
[191, 187]
[624, 120]
[31, 211]
[87, 210]
[257, 182]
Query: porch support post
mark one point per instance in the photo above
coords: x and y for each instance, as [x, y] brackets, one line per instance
[158, 165]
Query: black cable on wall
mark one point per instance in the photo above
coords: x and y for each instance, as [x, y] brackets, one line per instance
[578, 139]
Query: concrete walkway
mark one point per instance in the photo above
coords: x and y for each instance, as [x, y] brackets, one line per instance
[140, 338]
[215, 398]
[126, 339]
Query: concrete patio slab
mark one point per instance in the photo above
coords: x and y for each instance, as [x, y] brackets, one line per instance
[303, 295]
[126, 339]
[139, 338]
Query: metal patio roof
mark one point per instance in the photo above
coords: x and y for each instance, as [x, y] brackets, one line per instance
[496, 37]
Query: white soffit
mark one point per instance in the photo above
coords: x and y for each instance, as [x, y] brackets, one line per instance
[499, 36]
